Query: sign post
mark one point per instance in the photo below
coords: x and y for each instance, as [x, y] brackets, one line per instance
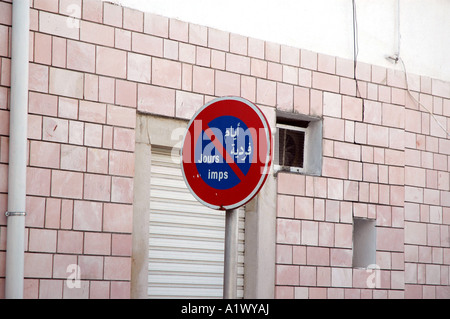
[226, 156]
[231, 254]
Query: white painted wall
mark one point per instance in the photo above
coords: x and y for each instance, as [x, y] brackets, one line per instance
[326, 26]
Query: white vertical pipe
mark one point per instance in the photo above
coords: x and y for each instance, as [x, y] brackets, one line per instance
[17, 150]
[231, 254]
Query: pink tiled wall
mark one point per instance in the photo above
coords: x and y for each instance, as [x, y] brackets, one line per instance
[93, 65]
[384, 158]
[82, 115]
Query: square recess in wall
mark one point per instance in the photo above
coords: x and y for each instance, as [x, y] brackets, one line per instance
[364, 242]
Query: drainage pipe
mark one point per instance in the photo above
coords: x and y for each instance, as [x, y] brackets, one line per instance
[17, 150]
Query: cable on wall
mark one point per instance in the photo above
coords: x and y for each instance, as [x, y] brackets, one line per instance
[395, 58]
[355, 36]
[355, 54]
[417, 101]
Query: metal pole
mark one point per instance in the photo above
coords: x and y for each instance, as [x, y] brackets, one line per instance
[15, 231]
[231, 254]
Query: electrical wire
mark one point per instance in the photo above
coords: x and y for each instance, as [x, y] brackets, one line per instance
[355, 36]
[355, 54]
[398, 28]
[394, 58]
[417, 101]
[397, 58]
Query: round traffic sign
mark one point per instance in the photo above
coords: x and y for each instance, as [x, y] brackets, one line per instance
[226, 153]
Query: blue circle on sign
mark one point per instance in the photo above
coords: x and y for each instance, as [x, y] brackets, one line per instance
[229, 133]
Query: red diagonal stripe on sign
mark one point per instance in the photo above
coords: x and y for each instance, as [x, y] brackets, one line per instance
[225, 155]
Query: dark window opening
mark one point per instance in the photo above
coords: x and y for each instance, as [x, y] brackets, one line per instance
[291, 146]
[298, 144]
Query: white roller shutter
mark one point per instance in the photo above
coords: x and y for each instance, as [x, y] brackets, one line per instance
[186, 242]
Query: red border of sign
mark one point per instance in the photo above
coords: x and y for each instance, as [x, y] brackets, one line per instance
[255, 178]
